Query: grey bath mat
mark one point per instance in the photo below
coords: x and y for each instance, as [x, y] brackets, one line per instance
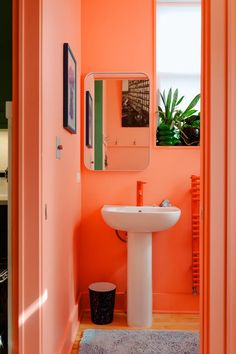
[96, 341]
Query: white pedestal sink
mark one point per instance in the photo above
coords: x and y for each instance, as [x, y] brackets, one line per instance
[140, 222]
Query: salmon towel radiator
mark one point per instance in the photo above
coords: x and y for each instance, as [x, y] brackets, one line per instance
[195, 191]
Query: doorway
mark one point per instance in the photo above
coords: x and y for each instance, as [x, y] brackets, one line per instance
[219, 97]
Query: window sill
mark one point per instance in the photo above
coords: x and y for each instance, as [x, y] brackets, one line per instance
[168, 147]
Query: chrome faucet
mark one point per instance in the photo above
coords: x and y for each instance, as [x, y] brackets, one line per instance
[165, 203]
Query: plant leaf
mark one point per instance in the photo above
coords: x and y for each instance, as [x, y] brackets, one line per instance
[163, 99]
[175, 98]
[172, 124]
[196, 124]
[164, 96]
[189, 113]
[161, 115]
[180, 100]
[192, 103]
[168, 104]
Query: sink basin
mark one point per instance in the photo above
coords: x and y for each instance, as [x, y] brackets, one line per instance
[140, 218]
[140, 222]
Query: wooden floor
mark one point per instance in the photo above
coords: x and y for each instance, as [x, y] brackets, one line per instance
[188, 322]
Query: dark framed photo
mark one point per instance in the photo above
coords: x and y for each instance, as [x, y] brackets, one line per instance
[89, 120]
[135, 103]
[69, 89]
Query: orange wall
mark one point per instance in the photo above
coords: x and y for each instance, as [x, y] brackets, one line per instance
[129, 46]
[129, 158]
[62, 194]
[121, 153]
[115, 132]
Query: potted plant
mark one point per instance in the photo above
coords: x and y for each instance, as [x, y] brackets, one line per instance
[172, 120]
[167, 133]
[190, 131]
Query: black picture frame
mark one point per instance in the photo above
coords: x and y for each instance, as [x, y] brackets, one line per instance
[89, 120]
[135, 104]
[69, 90]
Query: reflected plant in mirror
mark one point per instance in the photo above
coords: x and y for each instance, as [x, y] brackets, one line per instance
[120, 138]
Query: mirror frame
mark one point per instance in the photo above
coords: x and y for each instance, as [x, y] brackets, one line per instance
[118, 75]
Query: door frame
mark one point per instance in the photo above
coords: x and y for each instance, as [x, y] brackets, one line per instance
[26, 183]
[13, 337]
[231, 225]
[218, 168]
[27, 166]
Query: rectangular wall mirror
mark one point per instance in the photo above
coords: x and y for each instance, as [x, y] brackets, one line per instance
[117, 128]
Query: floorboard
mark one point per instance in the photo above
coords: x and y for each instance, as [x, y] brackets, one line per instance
[180, 322]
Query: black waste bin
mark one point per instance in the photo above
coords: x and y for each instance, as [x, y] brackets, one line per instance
[102, 301]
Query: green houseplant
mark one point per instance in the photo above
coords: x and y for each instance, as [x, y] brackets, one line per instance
[190, 131]
[172, 119]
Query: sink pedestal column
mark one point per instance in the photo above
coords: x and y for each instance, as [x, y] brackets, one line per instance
[139, 279]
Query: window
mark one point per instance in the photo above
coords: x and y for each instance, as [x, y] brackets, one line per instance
[178, 46]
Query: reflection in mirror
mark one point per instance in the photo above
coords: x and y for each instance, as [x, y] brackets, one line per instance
[117, 133]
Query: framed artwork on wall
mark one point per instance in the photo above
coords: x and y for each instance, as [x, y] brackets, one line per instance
[69, 89]
[89, 120]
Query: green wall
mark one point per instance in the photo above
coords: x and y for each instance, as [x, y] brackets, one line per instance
[5, 57]
[98, 125]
